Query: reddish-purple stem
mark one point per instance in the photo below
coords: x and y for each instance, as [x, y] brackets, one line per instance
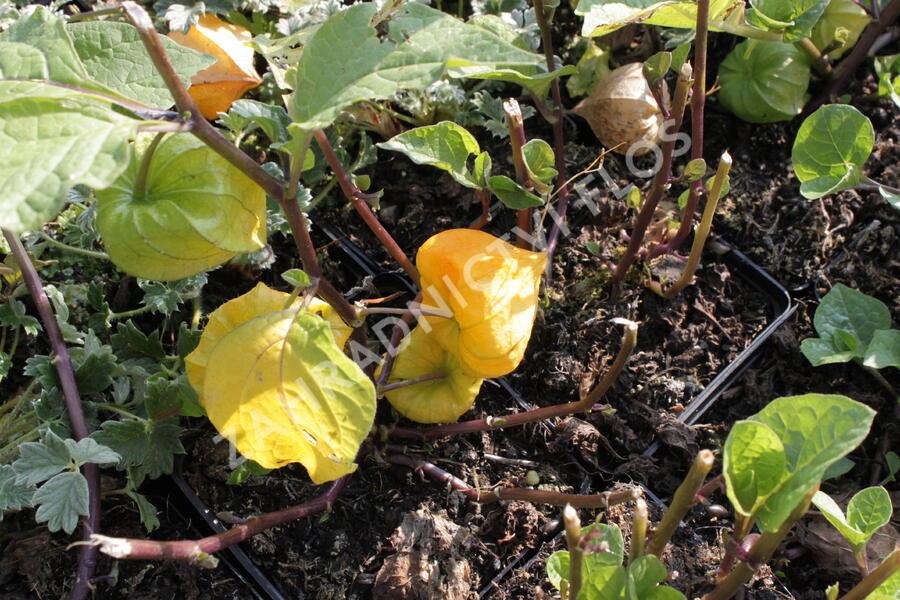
[397, 334]
[197, 551]
[87, 559]
[215, 140]
[658, 188]
[698, 103]
[355, 196]
[559, 147]
[629, 340]
[517, 140]
[603, 500]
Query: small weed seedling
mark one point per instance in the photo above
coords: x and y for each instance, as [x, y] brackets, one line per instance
[773, 464]
[854, 327]
[290, 377]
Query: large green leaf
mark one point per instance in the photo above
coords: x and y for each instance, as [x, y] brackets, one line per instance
[197, 211]
[846, 321]
[414, 53]
[21, 61]
[830, 149]
[113, 55]
[814, 430]
[764, 82]
[51, 139]
[445, 145]
[784, 11]
[45, 33]
[605, 16]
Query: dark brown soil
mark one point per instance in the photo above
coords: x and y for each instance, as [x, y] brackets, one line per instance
[807, 245]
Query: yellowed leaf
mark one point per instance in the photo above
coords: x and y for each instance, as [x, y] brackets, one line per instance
[280, 390]
[491, 287]
[215, 88]
[260, 300]
[437, 400]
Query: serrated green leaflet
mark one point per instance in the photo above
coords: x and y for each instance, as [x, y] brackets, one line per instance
[419, 43]
[767, 474]
[445, 145]
[146, 509]
[13, 495]
[51, 139]
[113, 55]
[38, 461]
[605, 16]
[764, 82]
[61, 501]
[88, 450]
[273, 120]
[830, 149]
[197, 212]
[149, 446]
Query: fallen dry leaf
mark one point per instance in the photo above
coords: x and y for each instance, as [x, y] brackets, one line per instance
[215, 88]
[429, 560]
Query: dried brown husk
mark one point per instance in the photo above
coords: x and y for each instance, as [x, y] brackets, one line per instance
[622, 111]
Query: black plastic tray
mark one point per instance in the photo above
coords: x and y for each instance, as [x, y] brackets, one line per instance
[781, 308]
[180, 498]
[204, 521]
